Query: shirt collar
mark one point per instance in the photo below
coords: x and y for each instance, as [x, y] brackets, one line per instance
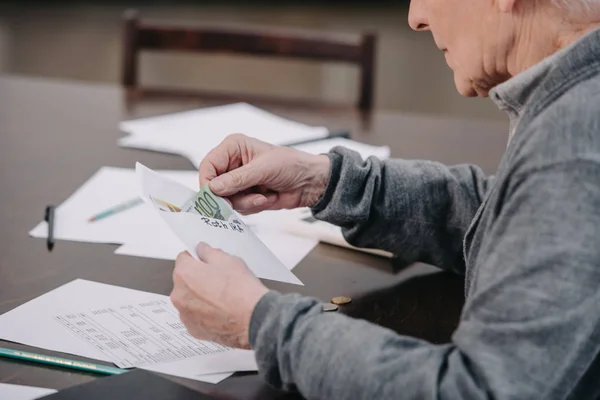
[513, 95]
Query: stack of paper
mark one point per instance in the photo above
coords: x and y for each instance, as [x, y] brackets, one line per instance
[192, 134]
[138, 329]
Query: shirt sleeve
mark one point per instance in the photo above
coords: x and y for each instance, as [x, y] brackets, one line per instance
[417, 210]
[530, 328]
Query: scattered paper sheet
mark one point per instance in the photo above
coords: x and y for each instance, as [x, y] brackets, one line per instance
[192, 229]
[163, 245]
[289, 249]
[194, 133]
[365, 150]
[300, 222]
[19, 392]
[115, 324]
[106, 188]
[140, 229]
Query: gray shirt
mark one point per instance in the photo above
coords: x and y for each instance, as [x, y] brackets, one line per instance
[526, 240]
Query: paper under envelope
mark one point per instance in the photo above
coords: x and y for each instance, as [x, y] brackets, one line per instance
[193, 228]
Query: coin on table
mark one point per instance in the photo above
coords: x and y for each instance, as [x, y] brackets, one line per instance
[341, 300]
[330, 307]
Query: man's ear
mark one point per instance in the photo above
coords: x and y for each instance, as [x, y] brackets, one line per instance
[506, 6]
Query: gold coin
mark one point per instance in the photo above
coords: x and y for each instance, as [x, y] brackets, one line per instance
[341, 300]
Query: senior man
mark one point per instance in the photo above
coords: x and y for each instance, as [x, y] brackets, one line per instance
[527, 239]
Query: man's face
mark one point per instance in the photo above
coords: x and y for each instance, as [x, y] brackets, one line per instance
[469, 33]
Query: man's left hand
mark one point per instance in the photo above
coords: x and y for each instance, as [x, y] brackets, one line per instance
[215, 296]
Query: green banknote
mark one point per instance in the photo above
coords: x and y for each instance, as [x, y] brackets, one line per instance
[208, 204]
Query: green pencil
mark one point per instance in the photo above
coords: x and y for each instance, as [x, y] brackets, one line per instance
[60, 362]
[116, 209]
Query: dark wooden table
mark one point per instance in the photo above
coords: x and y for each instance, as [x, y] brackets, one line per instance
[55, 134]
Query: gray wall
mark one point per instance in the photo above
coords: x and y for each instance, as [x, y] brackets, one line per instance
[5, 42]
[83, 43]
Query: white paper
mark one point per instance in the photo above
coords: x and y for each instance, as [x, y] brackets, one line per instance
[192, 368]
[137, 334]
[289, 249]
[194, 133]
[300, 222]
[193, 228]
[35, 323]
[19, 392]
[140, 229]
[191, 374]
[273, 219]
[365, 150]
[106, 188]
[161, 245]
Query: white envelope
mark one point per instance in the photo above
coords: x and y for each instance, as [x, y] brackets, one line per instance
[192, 229]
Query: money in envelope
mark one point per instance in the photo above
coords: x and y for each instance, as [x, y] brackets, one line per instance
[204, 217]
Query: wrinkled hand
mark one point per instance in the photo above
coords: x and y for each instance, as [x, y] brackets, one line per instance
[215, 296]
[257, 176]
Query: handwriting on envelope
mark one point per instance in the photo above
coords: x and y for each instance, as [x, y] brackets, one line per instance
[231, 236]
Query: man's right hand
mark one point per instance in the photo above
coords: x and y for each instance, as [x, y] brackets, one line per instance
[257, 176]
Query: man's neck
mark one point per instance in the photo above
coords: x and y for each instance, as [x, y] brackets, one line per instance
[535, 40]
